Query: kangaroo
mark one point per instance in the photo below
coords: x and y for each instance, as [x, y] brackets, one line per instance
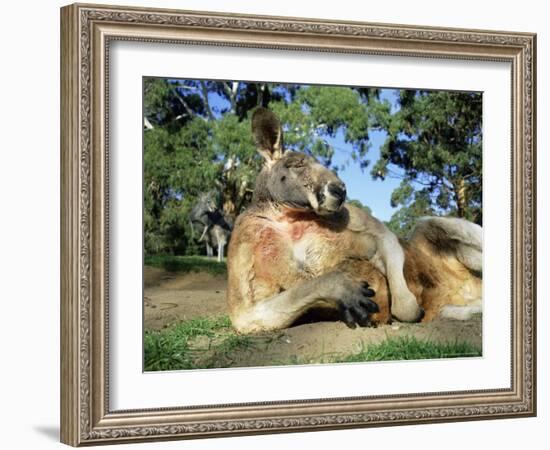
[216, 226]
[216, 233]
[299, 247]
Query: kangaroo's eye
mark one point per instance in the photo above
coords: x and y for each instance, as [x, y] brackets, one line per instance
[283, 178]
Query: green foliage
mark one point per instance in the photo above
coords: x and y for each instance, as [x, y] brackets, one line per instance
[197, 139]
[417, 204]
[360, 205]
[320, 112]
[334, 108]
[434, 141]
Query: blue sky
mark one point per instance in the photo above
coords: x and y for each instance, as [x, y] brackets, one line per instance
[375, 194]
[360, 185]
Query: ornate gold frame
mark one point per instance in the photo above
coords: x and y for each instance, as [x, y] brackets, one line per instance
[86, 31]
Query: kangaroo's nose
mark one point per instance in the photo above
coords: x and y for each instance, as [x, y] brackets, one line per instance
[337, 190]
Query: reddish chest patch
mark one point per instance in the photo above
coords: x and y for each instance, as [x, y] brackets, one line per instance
[299, 229]
[275, 237]
[288, 244]
[299, 224]
[268, 243]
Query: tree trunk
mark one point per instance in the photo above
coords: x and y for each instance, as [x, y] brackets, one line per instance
[231, 92]
[461, 200]
[236, 194]
[229, 205]
[206, 101]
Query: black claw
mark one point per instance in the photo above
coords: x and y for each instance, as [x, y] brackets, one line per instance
[360, 313]
[369, 305]
[357, 310]
[362, 317]
[348, 318]
[421, 314]
[369, 292]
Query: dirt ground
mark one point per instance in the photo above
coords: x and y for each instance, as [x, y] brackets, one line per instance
[171, 298]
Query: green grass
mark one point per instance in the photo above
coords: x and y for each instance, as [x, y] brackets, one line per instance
[408, 348]
[173, 263]
[197, 344]
[211, 342]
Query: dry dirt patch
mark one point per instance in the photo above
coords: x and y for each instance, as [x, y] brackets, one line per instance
[171, 297]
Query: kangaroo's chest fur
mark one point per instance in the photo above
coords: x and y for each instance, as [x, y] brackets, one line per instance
[312, 247]
[305, 245]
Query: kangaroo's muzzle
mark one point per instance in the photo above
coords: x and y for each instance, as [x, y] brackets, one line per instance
[332, 196]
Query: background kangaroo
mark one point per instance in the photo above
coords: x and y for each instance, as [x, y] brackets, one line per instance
[299, 247]
[214, 226]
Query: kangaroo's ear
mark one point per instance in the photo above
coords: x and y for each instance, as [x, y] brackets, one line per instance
[268, 134]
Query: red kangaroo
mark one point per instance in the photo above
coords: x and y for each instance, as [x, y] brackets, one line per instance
[299, 247]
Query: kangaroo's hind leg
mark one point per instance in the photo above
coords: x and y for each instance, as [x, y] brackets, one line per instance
[460, 312]
[462, 237]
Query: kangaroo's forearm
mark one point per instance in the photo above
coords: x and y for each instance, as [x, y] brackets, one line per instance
[281, 310]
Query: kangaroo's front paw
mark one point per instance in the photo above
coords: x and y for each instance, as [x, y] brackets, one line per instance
[405, 308]
[356, 305]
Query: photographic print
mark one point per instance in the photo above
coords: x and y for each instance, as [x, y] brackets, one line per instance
[291, 224]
